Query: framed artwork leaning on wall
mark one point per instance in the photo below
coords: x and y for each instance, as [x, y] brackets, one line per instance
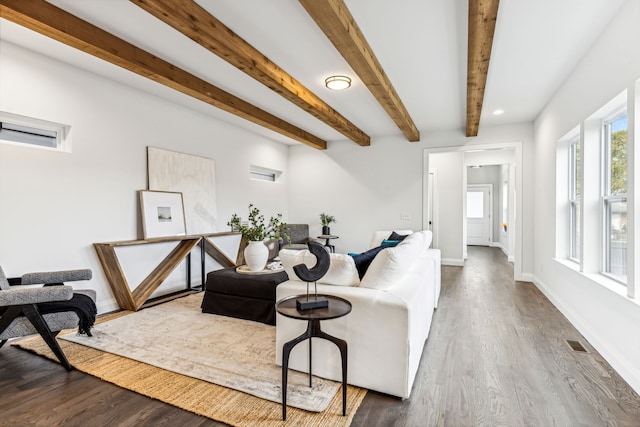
[162, 214]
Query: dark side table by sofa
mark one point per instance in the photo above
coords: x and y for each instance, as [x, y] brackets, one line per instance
[244, 296]
[338, 307]
[327, 238]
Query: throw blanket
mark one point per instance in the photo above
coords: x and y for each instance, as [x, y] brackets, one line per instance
[81, 304]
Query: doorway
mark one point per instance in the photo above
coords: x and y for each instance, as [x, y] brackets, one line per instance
[444, 209]
[479, 208]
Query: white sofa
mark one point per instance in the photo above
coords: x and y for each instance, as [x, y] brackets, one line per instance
[390, 319]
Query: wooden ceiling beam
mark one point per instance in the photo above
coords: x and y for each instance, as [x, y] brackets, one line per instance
[335, 20]
[48, 20]
[482, 25]
[189, 18]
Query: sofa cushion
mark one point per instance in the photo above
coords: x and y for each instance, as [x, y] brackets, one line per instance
[342, 268]
[388, 243]
[424, 237]
[396, 236]
[363, 260]
[391, 264]
[379, 236]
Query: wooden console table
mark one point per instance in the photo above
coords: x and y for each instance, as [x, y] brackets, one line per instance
[133, 300]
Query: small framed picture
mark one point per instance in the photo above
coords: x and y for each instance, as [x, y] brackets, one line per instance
[162, 214]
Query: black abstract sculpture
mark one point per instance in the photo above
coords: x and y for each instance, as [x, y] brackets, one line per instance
[313, 275]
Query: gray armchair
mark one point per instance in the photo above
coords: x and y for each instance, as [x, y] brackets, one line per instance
[299, 235]
[45, 309]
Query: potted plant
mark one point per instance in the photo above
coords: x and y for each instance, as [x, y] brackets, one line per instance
[255, 231]
[326, 219]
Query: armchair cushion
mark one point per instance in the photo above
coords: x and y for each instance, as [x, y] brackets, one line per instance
[20, 296]
[48, 277]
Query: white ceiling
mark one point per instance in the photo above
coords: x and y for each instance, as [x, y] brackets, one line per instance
[421, 44]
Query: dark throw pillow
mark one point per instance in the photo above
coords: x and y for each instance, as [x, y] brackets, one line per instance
[389, 243]
[363, 260]
[396, 236]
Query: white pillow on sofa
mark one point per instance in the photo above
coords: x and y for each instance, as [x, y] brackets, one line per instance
[342, 269]
[391, 264]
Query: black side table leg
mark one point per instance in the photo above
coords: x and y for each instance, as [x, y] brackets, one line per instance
[342, 345]
[310, 360]
[286, 351]
[313, 330]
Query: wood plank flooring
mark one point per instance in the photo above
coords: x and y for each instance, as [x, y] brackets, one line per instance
[496, 356]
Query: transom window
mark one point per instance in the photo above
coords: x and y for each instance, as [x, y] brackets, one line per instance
[32, 132]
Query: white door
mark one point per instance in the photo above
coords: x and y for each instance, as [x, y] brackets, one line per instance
[479, 215]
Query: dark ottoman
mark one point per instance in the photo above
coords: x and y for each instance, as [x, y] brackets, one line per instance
[245, 296]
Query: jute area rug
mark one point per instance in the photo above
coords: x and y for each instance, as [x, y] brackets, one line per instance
[199, 395]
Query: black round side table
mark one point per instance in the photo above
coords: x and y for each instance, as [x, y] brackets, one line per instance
[327, 238]
[338, 307]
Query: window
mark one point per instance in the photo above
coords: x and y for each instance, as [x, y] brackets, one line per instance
[475, 204]
[28, 135]
[614, 197]
[263, 174]
[575, 188]
[22, 130]
[505, 205]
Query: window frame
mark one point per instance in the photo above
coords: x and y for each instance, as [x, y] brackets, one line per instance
[608, 198]
[31, 132]
[574, 199]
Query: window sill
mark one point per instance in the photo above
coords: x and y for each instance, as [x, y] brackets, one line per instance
[602, 280]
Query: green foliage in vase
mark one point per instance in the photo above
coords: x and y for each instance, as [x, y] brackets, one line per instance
[257, 229]
[326, 219]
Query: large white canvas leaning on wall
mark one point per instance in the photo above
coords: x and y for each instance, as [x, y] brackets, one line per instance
[194, 177]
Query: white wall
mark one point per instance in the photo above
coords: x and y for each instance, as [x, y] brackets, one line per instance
[450, 205]
[54, 206]
[365, 188]
[368, 188]
[609, 320]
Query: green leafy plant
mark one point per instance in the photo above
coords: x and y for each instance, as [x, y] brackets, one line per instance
[257, 229]
[326, 219]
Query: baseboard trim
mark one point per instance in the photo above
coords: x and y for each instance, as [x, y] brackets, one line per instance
[452, 261]
[623, 367]
[107, 306]
[526, 277]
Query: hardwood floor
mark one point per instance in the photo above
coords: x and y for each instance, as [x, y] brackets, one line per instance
[496, 356]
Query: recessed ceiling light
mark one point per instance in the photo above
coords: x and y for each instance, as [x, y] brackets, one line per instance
[498, 112]
[337, 82]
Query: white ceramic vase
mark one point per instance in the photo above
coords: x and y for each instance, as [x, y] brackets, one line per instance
[256, 255]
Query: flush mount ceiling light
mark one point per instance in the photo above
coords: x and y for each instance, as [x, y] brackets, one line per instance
[498, 112]
[337, 82]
